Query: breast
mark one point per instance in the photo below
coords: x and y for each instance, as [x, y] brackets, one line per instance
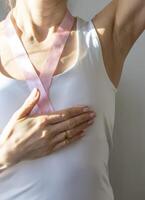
[12, 95]
[78, 171]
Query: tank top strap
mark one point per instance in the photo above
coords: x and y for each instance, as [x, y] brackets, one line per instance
[94, 47]
[99, 52]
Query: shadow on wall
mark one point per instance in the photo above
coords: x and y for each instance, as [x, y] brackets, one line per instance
[128, 157]
[4, 8]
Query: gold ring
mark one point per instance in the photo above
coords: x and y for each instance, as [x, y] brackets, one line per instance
[66, 138]
[66, 135]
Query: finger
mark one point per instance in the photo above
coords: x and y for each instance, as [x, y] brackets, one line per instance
[72, 132]
[49, 149]
[73, 122]
[28, 105]
[82, 127]
[69, 133]
[63, 143]
[44, 120]
[62, 136]
[65, 114]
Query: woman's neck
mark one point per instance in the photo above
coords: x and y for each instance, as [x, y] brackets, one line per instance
[39, 18]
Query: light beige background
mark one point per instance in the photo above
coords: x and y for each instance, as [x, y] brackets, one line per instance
[128, 157]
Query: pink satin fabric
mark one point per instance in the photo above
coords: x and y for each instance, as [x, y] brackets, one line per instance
[44, 80]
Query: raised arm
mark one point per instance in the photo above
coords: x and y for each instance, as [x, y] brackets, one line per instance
[119, 25]
[129, 22]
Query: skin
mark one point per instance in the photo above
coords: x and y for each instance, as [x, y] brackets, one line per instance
[27, 137]
[118, 26]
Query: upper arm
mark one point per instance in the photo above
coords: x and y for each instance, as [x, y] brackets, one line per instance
[123, 22]
[118, 26]
[104, 24]
[129, 22]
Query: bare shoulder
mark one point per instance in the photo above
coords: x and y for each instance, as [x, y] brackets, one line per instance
[104, 25]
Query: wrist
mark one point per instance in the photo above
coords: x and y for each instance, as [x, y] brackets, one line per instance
[6, 159]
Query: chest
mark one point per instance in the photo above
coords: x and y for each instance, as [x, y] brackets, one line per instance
[37, 54]
[80, 85]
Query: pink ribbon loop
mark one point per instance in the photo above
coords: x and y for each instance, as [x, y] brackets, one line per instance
[44, 80]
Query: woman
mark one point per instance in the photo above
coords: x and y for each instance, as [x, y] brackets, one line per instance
[29, 169]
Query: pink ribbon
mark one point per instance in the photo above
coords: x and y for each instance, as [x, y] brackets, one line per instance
[44, 80]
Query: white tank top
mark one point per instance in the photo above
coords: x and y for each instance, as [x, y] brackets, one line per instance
[80, 171]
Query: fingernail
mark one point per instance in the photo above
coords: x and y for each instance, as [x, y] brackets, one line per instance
[93, 114]
[35, 92]
[81, 105]
[86, 109]
[90, 122]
